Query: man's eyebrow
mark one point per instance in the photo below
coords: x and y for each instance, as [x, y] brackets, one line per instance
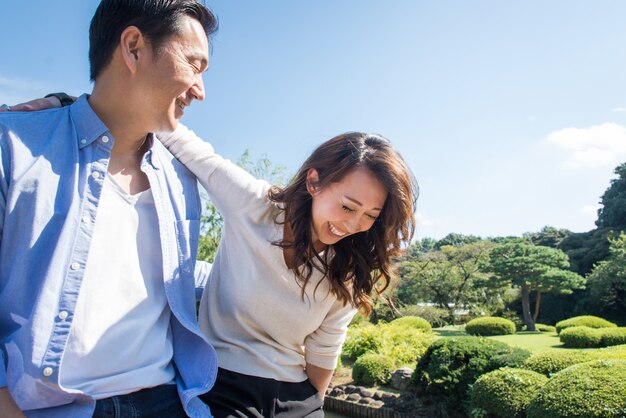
[359, 203]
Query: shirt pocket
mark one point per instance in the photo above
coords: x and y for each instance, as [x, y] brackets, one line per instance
[187, 234]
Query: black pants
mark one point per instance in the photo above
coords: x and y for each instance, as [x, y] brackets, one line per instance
[237, 395]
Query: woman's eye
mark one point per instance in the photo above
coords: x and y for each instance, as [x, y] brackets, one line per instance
[347, 209]
[372, 217]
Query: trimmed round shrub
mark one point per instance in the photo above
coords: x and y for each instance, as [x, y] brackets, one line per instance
[437, 317]
[516, 358]
[581, 337]
[404, 345]
[451, 365]
[371, 369]
[412, 322]
[505, 393]
[361, 340]
[584, 321]
[592, 390]
[617, 352]
[553, 361]
[490, 325]
[613, 336]
[545, 328]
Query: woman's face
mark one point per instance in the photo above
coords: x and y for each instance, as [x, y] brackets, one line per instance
[346, 207]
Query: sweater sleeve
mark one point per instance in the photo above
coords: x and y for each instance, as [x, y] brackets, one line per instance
[231, 188]
[323, 346]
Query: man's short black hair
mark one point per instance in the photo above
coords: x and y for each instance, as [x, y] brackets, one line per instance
[156, 19]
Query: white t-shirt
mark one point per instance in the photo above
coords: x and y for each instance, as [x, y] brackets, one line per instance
[252, 310]
[120, 340]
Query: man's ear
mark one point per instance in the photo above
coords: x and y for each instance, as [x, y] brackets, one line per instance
[132, 47]
[312, 181]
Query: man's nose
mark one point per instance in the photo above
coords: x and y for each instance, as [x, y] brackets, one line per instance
[197, 90]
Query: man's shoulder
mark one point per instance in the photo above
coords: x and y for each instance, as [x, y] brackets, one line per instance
[31, 126]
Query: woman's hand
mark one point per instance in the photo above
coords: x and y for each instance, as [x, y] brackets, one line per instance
[44, 103]
[320, 378]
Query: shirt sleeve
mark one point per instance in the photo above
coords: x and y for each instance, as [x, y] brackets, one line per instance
[201, 272]
[231, 188]
[4, 167]
[323, 346]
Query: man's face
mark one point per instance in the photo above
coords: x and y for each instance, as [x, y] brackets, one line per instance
[174, 78]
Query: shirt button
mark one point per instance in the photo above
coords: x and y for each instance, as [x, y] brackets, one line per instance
[47, 371]
[95, 175]
[63, 315]
[85, 219]
[75, 266]
[83, 141]
[105, 139]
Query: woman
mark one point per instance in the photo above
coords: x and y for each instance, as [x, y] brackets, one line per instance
[294, 265]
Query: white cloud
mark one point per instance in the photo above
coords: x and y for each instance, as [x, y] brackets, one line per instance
[620, 110]
[597, 146]
[590, 211]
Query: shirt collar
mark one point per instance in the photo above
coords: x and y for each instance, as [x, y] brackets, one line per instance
[88, 125]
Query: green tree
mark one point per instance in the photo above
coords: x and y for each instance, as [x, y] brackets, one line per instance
[607, 281]
[212, 222]
[449, 278]
[532, 268]
[549, 236]
[613, 211]
[456, 240]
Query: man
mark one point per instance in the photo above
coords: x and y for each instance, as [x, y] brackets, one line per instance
[99, 228]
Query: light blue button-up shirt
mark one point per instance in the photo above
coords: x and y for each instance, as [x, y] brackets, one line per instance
[52, 168]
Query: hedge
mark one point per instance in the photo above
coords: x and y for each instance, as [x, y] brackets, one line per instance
[581, 337]
[592, 390]
[361, 340]
[371, 369]
[412, 322]
[451, 365]
[505, 393]
[490, 325]
[584, 321]
[613, 336]
[553, 361]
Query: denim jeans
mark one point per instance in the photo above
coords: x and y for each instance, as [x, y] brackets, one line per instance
[161, 401]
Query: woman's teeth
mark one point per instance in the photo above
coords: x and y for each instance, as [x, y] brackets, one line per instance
[335, 231]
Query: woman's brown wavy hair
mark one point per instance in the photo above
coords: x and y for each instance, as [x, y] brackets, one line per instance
[355, 264]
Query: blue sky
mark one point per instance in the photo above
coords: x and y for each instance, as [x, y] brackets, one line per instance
[512, 115]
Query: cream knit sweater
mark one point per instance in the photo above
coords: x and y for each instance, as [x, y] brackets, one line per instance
[252, 309]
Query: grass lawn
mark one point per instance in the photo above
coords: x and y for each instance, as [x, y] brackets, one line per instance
[532, 341]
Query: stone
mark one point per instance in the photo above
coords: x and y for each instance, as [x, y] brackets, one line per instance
[377, 404]
[378, 395]
[351, 389]
[367, 393]
[354, 397]
[366, 401]
[401, 378]
[337, 391]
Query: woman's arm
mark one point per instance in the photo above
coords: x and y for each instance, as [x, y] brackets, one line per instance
[8, 406]
[320, 378]
[231, 188]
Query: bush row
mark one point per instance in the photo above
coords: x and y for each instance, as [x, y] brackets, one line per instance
[584, 321]
[501, 381]
[591, 389]
[586, 337]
